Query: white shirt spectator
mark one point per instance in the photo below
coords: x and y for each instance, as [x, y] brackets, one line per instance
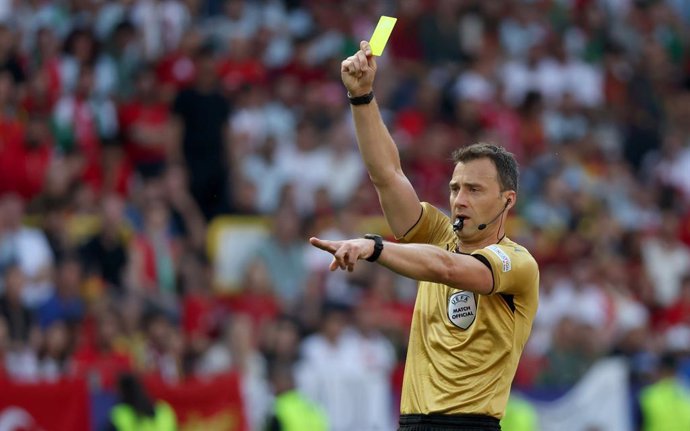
[243, 21]
[268, 176]
[308, 171]
[349, 170]
[472, 85]
[554, 303]
[162, 24]
[518, 37]
[553, 79]
[665, 264]
[349, 379]
[104, 75]
[30, 248]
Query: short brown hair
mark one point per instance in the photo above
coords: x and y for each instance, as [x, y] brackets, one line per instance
[506, 165]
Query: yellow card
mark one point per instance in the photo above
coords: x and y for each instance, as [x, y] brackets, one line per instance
[381, 34]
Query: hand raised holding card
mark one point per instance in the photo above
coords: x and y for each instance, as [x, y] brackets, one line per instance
[358, 71]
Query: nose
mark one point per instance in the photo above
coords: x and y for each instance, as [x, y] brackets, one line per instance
[460, 200]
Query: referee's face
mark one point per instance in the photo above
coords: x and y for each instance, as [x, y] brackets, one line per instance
[475, 196]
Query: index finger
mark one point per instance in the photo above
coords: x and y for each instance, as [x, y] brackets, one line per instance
[329, 246]
[365, 47]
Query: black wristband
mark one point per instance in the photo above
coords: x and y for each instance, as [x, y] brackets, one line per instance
[361, 100]
[378, 246]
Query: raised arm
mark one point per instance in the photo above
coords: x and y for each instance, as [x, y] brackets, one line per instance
[399, 200]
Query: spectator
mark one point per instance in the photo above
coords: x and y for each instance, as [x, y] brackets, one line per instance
[54, 356]
[200, 115]
[10, 60]
[331, 372]
[66, 304]
[188, 223]
[145, 125]
[679, 312]
[29, 249]
[20, 321]
[101, 356]
[45, 81]
[283, 255]
[292, 410]
[162, 355]
[376, 371]
[520, 415]
[105, 253]
[656, 399]
[568, 359]
[84, 123]
[666, 260]
[123, 59]
[34, 157]
[136, 410]
[154, 254]
[13, 131]
[307, 164]
[591, 96]
[161, 25]
[82, 53]
[281, 341]
[267, 174]
[257, 296]
[236, 350]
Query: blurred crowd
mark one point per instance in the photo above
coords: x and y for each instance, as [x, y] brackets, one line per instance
[128, 126]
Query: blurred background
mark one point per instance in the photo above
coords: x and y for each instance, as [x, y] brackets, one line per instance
[163, 162]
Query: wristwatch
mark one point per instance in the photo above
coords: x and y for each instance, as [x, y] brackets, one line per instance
[378, 246]
[361, 100]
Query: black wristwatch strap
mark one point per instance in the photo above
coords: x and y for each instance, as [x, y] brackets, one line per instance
[361, 100]
[378, 246]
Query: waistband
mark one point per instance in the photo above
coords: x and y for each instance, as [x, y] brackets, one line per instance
[465, 420]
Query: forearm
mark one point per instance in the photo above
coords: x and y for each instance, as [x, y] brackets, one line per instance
[376, 145]
[425, 262]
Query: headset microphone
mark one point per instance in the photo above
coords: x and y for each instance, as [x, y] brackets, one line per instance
[459, 222]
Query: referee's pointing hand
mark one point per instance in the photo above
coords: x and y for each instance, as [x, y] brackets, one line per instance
[345, 253]
[358, 71]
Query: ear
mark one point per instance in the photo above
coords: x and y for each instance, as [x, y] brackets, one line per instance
[511, 199]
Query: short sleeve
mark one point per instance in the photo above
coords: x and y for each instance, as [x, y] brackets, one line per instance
[433, 227]
[512, 267]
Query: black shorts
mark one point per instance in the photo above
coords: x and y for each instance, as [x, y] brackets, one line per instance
[449, 423]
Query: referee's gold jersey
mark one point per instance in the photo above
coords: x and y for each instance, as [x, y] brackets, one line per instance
[464, 348]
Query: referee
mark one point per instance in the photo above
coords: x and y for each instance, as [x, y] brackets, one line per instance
[478, 290]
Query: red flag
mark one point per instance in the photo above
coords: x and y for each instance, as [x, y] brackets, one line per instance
[59, 406]
[203, 404]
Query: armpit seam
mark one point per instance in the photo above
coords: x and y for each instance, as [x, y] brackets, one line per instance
[421, 212]
[486, 262]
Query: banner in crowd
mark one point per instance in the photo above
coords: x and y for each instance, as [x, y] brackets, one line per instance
[59, 406]
[599, 401]
[200, 405]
